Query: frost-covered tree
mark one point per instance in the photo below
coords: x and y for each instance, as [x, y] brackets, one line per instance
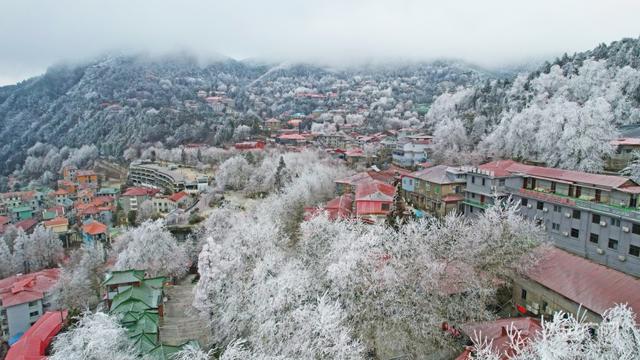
[568, 337]
[151, 247]
[94, 337]
[79, 284]
[146, 211]
[392, 289]
[42, 249]
[233, 173]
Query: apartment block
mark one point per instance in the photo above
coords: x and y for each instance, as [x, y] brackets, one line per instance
[591, 215]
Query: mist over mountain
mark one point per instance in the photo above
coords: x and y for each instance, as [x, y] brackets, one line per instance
[118, 101]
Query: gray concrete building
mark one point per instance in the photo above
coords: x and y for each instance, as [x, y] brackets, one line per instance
[590, 215]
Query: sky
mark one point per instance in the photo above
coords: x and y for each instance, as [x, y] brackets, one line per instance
[35, 34]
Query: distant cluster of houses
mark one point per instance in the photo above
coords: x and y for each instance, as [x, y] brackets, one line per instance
[78, 200]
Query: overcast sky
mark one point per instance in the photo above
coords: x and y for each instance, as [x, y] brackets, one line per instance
[35, 33]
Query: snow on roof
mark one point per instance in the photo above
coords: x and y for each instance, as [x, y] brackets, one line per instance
[436, 174]
[20, 289]
[595, 286]
[292, 137]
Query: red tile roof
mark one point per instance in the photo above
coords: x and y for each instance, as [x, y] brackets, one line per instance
[503, 168]
[374, 191]
[140, 191]
[27, 224]
[57, 221]
[177, 196]
[94, 228]
[16, 290]
[4, 220]
[595, 286]
[34, 342]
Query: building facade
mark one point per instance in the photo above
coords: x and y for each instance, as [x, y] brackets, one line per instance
[591, 215]
[438, 190]
[24, 298]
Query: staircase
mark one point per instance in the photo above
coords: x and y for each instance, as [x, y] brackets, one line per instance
[181, 322]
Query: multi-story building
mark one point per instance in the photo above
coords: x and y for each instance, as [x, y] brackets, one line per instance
[411, 150]
[591, 215]
[438, 190]
[625, 152]
[171, 178]
[24, 298]
[134, 196]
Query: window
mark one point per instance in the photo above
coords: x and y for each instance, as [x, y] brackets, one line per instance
[544, 306]
[470, 209]
[473, 179]
[523, 294]
[635, 228]
[613, 244]
[595, 218]
[555, 226]
[483, 181]
[473, 195]
[593, 238]
[33, 303]
[482, 199]
[540, 205]
[501, 182]
[576, 214]
[524, 201]
[575, 232]
[556, 208]
[615, 222]
[385, 206]
[634, 250]
[33, 313]
[553, 186]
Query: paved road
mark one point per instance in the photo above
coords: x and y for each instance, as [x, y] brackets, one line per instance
[181, 322]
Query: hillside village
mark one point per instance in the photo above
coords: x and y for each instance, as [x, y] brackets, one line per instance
[591, 220]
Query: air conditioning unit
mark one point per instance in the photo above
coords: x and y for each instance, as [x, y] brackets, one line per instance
[545, 210]
[625, 229]
[622, 258]
[600, 251]
[568, 215]
[529, 206]
[603, 223]
[565, 233]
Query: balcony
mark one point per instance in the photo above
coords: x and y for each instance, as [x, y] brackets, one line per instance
[554, 198]
[475, 203]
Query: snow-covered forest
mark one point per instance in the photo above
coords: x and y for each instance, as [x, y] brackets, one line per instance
[563, 114]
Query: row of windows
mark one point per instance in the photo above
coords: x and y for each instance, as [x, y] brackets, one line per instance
[634, 250]
[501, 182]
[575, 214]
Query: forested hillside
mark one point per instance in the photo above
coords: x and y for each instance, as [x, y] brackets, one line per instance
[564, 114]
[119, 101]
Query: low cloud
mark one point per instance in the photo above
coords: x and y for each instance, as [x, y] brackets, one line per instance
[34, 34]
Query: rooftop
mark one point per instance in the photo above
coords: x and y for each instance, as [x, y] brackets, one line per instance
[94, 228]
[595, 286]
[34, 342]
[20, 289]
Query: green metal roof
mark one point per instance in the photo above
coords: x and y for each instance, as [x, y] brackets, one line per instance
[156, 282]
[146, 294]
[48, 215]
[145, 342]
[165, 352]
[129, 306]
[147, 324]
[123, 277]
[21, 209]
[108, 191]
